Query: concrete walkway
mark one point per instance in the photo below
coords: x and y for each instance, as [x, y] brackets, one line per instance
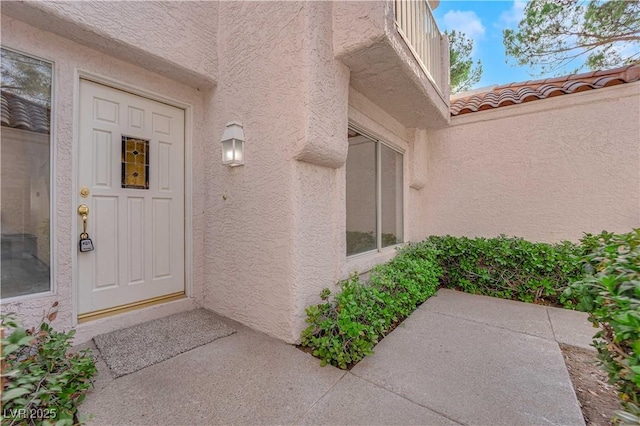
[459, 359]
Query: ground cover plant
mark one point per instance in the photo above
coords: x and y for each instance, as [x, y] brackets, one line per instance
[510, 268]
[42, 382]
[344, 328]
[611, 295]
[600, 275]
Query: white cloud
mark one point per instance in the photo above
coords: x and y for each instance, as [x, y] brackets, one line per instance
[466, 22]
[512, 17]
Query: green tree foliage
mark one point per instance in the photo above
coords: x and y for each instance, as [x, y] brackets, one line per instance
[464, 72]
[555, 34]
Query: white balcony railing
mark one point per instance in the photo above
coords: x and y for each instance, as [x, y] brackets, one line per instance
[417, 26]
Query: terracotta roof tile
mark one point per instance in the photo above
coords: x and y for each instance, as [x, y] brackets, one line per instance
[533, 90]
[20, 113]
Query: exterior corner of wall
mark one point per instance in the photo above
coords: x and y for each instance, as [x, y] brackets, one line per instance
[324, 143]
[327, 88]
[357, 25]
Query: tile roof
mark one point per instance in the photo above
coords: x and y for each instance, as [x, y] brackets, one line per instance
[20, 113]
[517, 93]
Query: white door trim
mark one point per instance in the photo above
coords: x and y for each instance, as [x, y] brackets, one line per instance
[188, 174]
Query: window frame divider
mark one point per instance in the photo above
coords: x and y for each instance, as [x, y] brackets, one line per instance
[378, 195]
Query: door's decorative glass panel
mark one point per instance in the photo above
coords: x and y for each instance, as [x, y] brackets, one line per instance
[135, 163]
[25, 176]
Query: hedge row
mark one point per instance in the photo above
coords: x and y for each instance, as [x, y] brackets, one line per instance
[601, 275]
[509, 268]
[345, 328]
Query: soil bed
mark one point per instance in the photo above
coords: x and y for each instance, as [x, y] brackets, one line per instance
[597, 397]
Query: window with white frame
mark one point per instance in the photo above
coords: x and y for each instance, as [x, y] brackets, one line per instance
[25, 177]
[374, 194]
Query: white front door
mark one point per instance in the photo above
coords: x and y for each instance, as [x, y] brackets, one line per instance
[131, 160]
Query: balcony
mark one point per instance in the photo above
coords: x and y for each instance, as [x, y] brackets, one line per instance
[420, 31]
[397, 56]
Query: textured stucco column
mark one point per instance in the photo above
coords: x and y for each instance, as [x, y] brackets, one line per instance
[250, 240]
[319, 176]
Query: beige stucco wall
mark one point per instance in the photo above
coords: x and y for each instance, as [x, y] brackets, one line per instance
[546, 170]
[68, 58]
[276, 226]
[250, 237]
[321, 211]
[169, 37]
[268, 236]
[253, 226]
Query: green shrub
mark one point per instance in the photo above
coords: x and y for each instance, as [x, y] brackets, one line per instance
[611, 295]
[41, 382]
[509, 267]
[344, 329]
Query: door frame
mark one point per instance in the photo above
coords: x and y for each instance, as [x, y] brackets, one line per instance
[80, 74]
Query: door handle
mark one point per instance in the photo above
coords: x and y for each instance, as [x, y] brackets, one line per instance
[83, 211]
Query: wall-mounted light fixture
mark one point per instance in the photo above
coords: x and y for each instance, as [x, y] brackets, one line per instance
[233, 145]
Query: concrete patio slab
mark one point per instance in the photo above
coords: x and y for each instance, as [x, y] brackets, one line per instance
[572, 327]
[354, 401]
[517, 316]
[474, 373]
[245, 378]
[457, 359]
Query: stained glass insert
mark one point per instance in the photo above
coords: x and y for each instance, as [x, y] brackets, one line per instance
[135, 163]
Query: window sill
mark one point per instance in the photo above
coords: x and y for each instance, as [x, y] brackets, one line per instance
[364, 262]
[22, 297]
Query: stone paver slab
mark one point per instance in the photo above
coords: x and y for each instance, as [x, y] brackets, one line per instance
[354, 401]
[246, 378]
[572, 327]
[474, 373]
[517, 316]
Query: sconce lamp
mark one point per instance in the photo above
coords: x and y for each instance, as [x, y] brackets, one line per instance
[233, 145]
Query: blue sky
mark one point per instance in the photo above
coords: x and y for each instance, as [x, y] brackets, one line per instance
[483, 21]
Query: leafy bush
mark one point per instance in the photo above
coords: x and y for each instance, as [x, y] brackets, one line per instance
[509, 267]
[611, 295]
[41, 382]
[343, 330]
